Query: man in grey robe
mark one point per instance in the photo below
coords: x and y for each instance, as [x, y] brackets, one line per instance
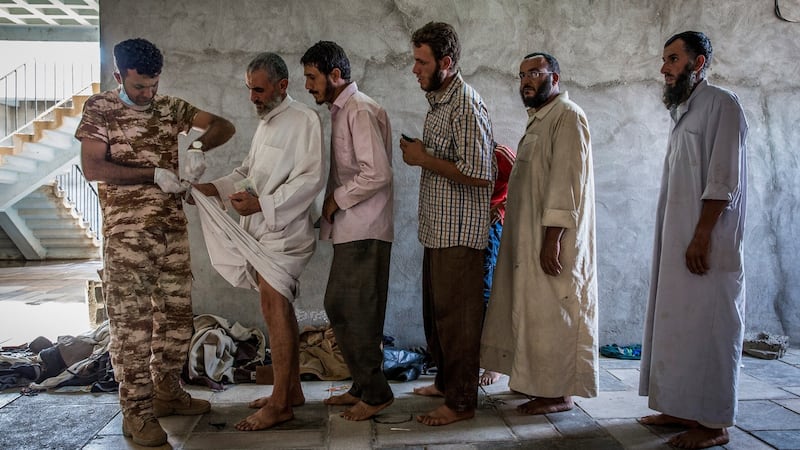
[541, 324]
[695, 316]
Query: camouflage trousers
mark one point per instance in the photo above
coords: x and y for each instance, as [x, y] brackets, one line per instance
[147, 285]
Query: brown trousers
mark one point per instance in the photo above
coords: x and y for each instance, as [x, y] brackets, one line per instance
[452, 311]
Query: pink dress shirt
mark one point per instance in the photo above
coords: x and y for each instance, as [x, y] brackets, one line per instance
[360, 171]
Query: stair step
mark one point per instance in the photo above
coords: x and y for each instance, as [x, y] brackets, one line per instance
[60, 138]
[73, 253]
[60, 233]
[43, 223]
[51, 243]
[40, 202]
[71, 122]
[18, 163]
[39, 151]
[8, 176]
[56, 214]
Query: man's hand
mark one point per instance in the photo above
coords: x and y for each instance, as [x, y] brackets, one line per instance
[329, 208]
[195, 165]
[551, 251]
[245, 203]
[700, 247]
[697, 254]
[167, 181]
[207, 189]
[414, 153]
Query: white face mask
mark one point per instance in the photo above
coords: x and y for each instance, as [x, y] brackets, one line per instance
[123, 95]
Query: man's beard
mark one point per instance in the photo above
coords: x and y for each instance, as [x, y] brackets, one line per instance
[541, 96]
[437, 79]
[327, 95]
[265, 108]
[681, 90]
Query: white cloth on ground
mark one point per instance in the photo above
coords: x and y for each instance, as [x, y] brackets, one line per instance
[214, 344]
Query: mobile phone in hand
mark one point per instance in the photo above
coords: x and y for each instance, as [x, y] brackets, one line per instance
[406, 138]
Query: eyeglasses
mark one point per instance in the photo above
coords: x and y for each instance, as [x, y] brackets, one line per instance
[532, 74]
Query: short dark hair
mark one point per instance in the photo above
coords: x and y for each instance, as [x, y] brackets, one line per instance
[441, 38]
[140, 55]
[695, 43]
[552, 62]
[272, 63]
[326, 56]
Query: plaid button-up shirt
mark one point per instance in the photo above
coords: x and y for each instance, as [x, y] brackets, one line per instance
[457, 129]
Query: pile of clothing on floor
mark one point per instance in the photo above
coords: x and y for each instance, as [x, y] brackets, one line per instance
[71, 361]
[222, 352]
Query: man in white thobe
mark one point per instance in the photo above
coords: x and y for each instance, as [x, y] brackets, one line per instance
[695, 316]
[541, 324]
[273, 192]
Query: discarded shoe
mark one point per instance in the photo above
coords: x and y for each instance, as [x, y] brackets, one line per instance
[622, 352]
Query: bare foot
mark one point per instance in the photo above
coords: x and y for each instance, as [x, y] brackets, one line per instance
[665, 420]
[265, 417]
[700, 437]
[363, 411]
[488, 377]
[429, 391]
[543, 405]
[443, 415]
[343, 399]
[298, 399]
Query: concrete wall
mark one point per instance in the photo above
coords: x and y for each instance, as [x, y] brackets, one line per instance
[610, 55]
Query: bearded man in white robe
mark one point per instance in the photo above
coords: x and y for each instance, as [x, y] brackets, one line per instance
[273, 191]
[541, 324]
[694, 326]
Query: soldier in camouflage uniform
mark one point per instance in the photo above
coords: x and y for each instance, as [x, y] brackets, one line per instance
[129, 142]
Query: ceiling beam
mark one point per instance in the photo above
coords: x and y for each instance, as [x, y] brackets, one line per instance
[49, 33]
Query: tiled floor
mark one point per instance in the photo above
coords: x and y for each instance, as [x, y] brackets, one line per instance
[769, 408]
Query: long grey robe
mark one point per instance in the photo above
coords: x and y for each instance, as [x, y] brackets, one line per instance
[539, 329]
[694, 326]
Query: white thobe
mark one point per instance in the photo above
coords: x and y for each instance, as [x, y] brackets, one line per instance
[285, 166]
[541, 330]
[694, 325]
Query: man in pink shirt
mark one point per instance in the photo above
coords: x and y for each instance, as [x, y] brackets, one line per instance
[358, 218]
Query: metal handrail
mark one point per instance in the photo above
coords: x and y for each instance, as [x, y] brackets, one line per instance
[33, 90]
[83, 197]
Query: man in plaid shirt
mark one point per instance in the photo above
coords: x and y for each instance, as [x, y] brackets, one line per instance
[455, 155]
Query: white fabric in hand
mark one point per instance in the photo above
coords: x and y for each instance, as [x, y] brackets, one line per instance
[168, 181]
[195, 165]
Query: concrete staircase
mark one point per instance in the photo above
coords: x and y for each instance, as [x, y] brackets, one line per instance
[36, 219]
[60, 231]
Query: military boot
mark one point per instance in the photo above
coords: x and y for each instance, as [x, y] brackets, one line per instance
[144, 431]
[170, 398]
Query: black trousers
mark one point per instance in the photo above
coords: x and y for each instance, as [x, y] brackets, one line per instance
[355, 301]
[452, 302]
